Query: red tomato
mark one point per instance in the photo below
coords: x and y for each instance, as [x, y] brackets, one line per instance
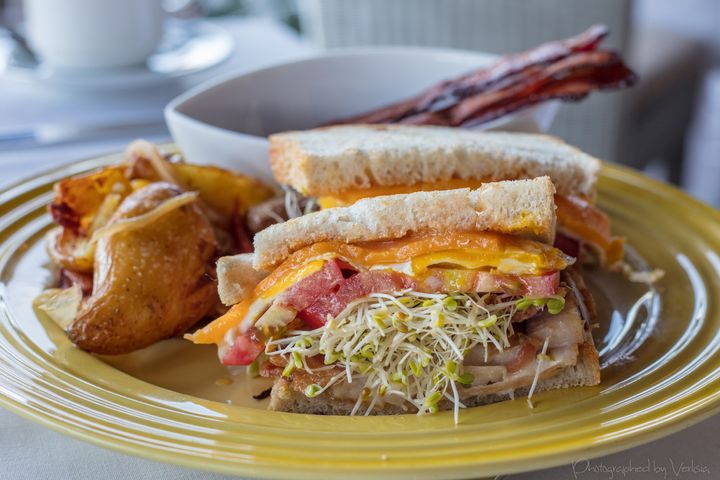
[243, 351]
[541, 285]
[441, 280]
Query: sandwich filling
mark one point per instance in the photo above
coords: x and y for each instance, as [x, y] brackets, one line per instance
[582, 227]
[413, 322]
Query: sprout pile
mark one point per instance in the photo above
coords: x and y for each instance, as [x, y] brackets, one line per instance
[408, 344]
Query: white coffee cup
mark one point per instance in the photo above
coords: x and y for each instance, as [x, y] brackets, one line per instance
[94, 34]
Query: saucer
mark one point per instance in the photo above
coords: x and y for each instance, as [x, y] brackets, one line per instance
[188, 47]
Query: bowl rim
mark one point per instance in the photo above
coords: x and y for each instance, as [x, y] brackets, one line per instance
[173, 113]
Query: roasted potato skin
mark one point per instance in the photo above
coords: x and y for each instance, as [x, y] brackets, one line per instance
[225, 192]
[150, 283]
[78, 198]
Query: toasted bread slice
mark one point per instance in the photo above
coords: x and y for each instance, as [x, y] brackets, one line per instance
[586, 372]
[331, 160]
[521, 207]
[237, 278]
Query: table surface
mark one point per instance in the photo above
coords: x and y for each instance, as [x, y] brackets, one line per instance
[29, 451]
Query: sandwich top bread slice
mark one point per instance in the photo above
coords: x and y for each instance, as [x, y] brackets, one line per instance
[522, 207]
[340, 165]
[413, 303]
[335, 160]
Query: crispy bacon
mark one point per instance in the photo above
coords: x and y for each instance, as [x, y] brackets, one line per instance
[478, 81]
[567, 70]
[569, 79]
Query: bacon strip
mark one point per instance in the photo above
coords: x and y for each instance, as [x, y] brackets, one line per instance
[567, 70]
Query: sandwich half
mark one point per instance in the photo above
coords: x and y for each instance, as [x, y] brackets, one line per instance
[410, 303]
[339, 165]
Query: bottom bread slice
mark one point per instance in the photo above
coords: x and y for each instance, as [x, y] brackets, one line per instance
[585, 372]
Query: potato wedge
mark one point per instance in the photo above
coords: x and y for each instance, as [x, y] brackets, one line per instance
[223, 191]
[150, 282]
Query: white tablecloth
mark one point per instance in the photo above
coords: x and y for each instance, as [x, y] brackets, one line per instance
[28, 451]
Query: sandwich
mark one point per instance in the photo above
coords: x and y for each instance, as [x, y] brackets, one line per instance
[337, 166]
[409, 303]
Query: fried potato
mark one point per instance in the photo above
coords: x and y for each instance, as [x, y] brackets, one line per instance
[150, 282]
[69, 250]
[224, 191]
[78, 199]
[148, 258]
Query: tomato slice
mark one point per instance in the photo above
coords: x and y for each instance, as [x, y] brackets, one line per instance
[447, 280]
[244, 350]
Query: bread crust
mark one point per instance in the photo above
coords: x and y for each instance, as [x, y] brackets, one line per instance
[332, 160]
[520, 207]
[237, 278]
[586, 372]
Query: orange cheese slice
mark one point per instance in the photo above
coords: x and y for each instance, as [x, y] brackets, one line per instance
[576, 216]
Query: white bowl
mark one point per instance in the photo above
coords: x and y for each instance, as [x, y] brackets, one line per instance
[225, 121]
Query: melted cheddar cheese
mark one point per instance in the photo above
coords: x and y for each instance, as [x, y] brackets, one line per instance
[215, 331]
[576, 216]
[586, 222]
[349, 197]
[292, 277]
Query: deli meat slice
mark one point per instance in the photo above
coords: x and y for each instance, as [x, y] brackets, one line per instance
[540, 285]
[309, 289]
[563, 329]
[360, 285]
[326, 292]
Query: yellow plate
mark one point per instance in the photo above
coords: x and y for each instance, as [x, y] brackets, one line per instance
[166, 403]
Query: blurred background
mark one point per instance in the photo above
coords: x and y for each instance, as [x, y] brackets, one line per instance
[667, 125]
